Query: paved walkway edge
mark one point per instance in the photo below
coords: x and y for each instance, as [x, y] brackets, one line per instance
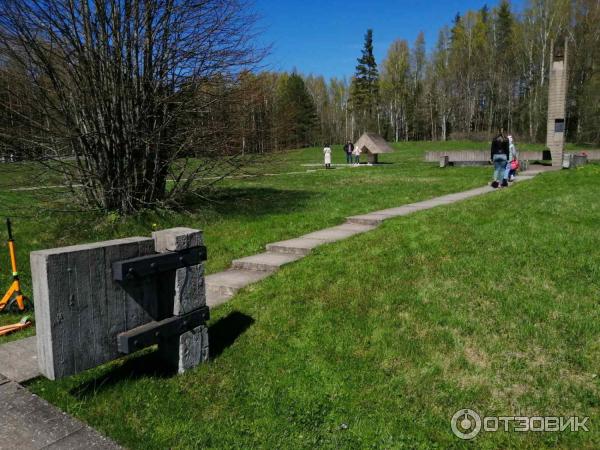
[29, 422]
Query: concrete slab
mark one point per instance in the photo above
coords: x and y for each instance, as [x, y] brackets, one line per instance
[400, 211]
[332, 234]
[214, 299]
[299, 246]
[174, 239]
[85, 438]
[428, 204]
[368, 219]
[227, 283]
[29, 422]
[354, 227]
[18, 360]
[268, 261]
[80, 310]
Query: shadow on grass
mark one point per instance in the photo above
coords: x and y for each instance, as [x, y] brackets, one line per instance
[251, 201]
[225, 331]
[146, 364]
[222, 334]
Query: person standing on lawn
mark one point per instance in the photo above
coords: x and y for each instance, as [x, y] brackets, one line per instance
[499, 157]
[349, 148]
[356, 153]
[513, 160]
[327, 153]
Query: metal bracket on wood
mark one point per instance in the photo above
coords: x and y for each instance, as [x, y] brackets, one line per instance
[145, 266]
[151, 333]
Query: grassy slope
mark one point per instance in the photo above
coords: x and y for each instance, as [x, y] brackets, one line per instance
[490, 304]
[244, 214]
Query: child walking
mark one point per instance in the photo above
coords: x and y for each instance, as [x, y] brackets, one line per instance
[513, 160]
[356, 153]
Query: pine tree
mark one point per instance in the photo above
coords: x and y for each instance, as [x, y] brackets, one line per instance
[504, 24]
[457, 28]
[365, 86]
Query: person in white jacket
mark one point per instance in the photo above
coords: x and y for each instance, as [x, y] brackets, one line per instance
[327, 153]
[513, 155]
[356, 153]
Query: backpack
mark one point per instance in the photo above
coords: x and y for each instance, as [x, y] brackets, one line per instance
[514, 164]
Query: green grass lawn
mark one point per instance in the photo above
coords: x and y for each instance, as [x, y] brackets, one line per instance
[375, 342]
[242, 215]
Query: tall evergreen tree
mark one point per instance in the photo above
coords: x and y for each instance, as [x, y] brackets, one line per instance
[365, 86]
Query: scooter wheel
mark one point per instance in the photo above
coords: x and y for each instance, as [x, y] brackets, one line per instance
[13, 306]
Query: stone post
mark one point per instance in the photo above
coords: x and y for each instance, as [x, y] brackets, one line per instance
[186, 351]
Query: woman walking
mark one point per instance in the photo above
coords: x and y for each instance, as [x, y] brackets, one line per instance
[499, 157]
[327, 153]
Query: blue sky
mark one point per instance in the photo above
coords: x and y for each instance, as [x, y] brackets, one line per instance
[325, 37]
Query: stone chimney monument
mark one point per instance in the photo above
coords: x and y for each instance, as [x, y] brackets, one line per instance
[557, 96]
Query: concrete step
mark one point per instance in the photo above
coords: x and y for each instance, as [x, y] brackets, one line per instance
[372, 219]
[300, 246]
[338, 233]
[355, 227]
[18, 360]
[265, 262]
[399, 211]
[227, 283]
[216, 298]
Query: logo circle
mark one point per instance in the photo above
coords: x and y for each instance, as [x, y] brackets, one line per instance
[466, 424]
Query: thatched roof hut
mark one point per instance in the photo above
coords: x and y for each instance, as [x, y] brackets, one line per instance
[372, 144]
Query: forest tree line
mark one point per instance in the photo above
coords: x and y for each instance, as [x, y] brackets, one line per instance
[488, 70]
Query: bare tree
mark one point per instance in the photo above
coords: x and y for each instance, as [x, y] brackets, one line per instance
[119, 95]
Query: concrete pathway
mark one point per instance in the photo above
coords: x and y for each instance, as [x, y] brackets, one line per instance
[18, 361]
[29, 422]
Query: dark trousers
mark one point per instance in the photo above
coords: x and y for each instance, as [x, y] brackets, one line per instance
[348, 158]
